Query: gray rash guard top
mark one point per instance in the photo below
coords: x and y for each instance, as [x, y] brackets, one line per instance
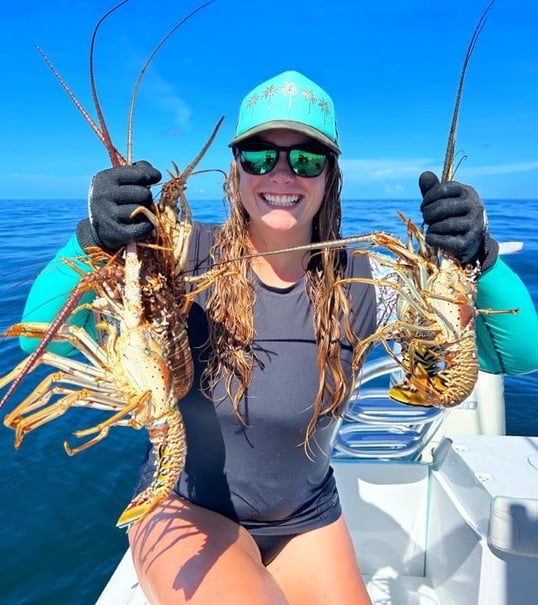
[259, 473]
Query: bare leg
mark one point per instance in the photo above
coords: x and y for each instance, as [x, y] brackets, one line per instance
[187, 554]
[320, 568]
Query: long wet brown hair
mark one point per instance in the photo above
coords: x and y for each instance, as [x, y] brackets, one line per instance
[230, 306]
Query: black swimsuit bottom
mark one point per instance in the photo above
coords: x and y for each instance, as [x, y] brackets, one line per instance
[270, 546]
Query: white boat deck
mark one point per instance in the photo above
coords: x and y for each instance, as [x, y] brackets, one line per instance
[461, 530]
[123, 588]
[458, 526]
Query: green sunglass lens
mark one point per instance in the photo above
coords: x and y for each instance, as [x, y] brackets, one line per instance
[259, 162]
[306, 163]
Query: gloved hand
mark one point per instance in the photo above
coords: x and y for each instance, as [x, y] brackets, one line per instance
[114, 194]
[456, 220]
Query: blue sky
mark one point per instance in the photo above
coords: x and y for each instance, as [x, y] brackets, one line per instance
[391, 67]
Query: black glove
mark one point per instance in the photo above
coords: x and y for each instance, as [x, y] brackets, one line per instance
[456, 220]
[114, 194]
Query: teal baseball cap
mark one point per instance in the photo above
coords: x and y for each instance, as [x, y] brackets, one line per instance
[289, 100]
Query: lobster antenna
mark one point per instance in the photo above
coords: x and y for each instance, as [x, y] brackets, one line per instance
[94, 126]
[115, 156]
[448, 166]
[143, 71]
[100, 129]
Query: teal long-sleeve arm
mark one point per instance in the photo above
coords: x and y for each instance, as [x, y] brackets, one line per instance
[50, 291]
[506, 342]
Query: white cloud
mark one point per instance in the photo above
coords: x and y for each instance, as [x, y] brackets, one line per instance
[178, 109]
[499, 169]
[383, 169]
[165, 96]
[394, 190]
[389, 169]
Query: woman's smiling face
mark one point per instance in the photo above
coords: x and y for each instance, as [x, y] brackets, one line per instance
[280, 203]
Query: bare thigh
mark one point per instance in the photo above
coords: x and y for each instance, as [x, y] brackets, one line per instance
[187, 554]
[320, 568]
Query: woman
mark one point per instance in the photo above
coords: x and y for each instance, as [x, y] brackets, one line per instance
[255, 517]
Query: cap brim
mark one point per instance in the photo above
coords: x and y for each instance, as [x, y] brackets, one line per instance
[313, 133]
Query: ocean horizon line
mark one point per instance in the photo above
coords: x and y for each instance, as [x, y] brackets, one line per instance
[212, 199]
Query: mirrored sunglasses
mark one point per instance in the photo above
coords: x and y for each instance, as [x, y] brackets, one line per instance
[259, 158]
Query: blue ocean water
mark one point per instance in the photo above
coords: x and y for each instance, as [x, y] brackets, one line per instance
[58, 540]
